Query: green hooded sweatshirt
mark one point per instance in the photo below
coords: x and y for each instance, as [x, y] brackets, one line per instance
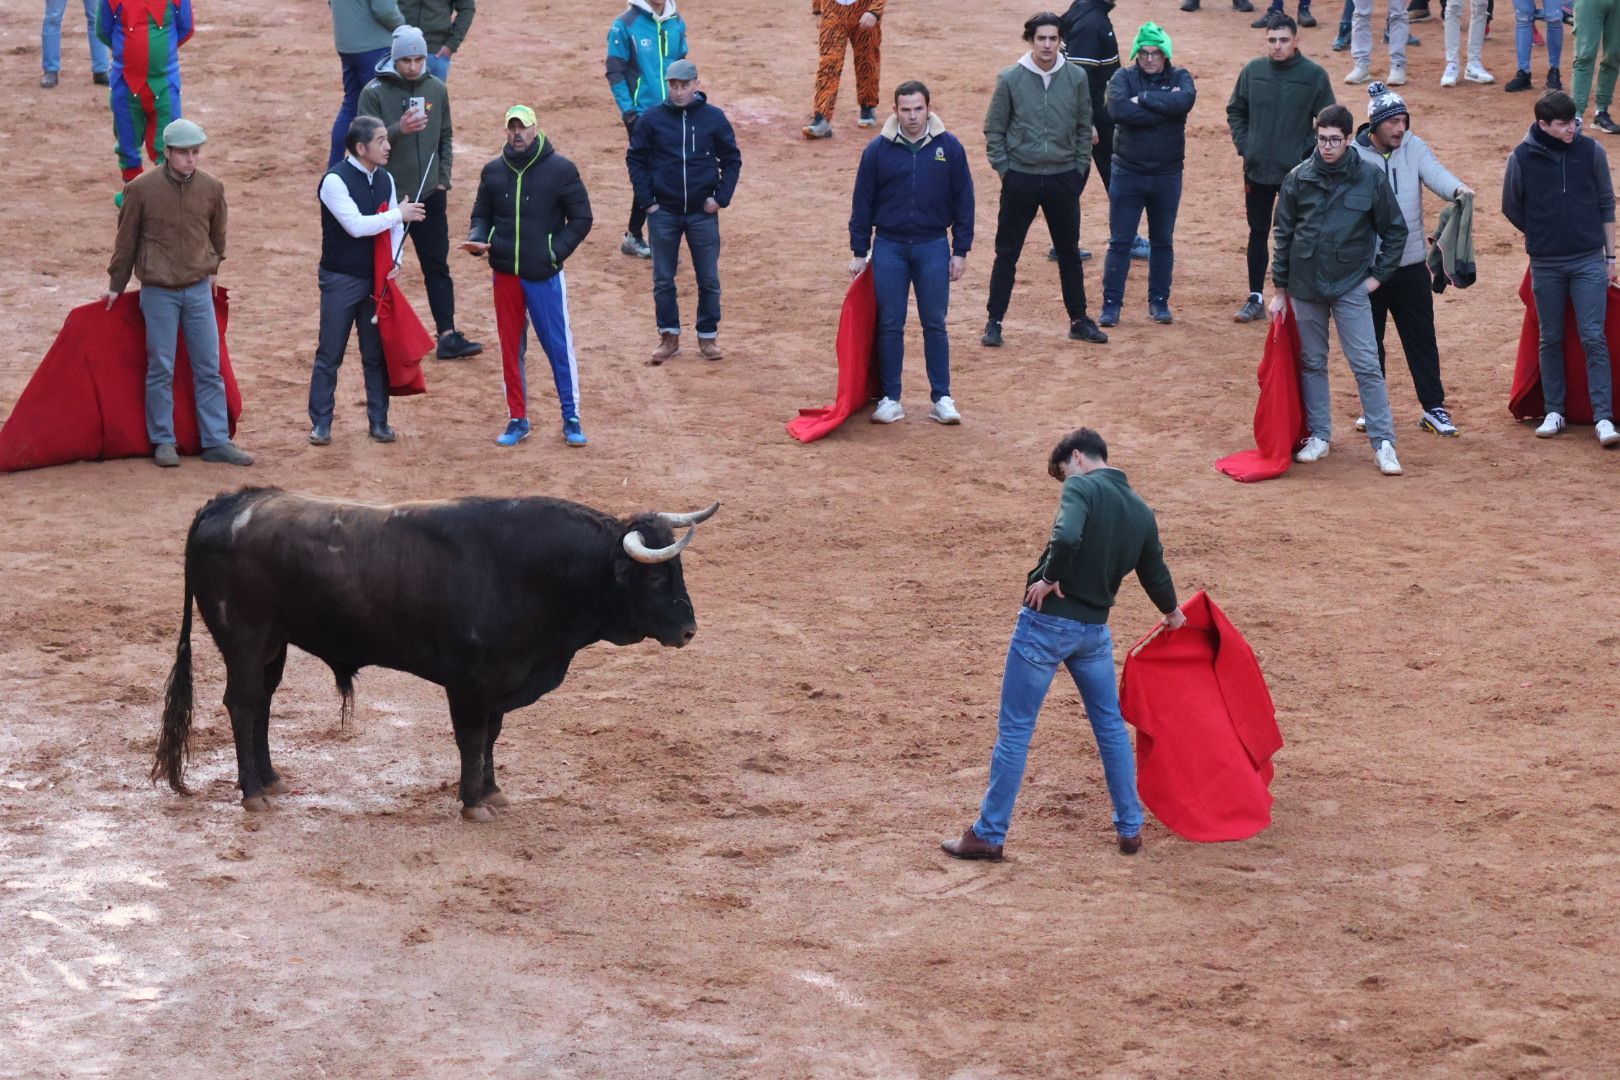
[386, 97]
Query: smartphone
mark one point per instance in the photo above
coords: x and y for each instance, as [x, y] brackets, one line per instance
[418, 104]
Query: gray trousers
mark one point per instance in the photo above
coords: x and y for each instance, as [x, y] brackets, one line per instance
[1584, 280]
[169, 313]
[1361, 32]
[1352, 314]
[346, 303]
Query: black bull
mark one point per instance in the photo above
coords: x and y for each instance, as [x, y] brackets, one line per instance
[488, 598]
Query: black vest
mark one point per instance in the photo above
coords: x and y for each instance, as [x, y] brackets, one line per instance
[340, 252]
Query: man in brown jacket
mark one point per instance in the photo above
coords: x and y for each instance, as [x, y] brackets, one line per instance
[171, 234]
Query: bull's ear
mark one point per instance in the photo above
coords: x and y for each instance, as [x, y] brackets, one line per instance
[623, 567]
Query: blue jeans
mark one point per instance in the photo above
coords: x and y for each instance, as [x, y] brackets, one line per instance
[702, 231]
[439, 68]
[358, 69]
[1584, 281]
[1039, 644]
[50, 37]
[168, 314]
[1525, 13]
[897, 269]
[1128, 195]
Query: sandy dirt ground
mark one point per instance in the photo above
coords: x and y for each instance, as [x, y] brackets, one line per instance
[721, 861]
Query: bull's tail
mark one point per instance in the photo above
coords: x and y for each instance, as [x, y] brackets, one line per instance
[345, 685]
[174, 749]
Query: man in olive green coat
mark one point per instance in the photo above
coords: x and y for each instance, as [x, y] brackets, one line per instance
[445, 24]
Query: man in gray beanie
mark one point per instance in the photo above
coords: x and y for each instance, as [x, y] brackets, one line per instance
[171, 224]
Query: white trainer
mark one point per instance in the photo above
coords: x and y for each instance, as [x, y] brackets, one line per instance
[1388, 463]
[1358, 75]
[1314, 450]
[1476, 73]
[1450, 77]
[887, 412]
[1361, 423]
[1397, 75]
[1606, 434]
[1550, 426]
[944, 411]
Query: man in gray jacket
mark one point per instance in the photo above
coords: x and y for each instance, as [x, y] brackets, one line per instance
[1406, 161]
[361, 31]
[1038, 137]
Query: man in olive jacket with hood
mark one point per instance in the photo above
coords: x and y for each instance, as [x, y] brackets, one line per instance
[445, 24]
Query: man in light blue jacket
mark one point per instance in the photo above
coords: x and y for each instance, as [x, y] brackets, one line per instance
[641, 44]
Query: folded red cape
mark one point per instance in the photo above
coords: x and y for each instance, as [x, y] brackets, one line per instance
[1205, 727]
[1279, 414]
[857, 374]
[404, 339]
[1525, 400]
[87, 399]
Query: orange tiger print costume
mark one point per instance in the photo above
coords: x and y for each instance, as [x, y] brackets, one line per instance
[840, 24]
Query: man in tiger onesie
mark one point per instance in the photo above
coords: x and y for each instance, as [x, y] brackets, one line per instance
[846, 22]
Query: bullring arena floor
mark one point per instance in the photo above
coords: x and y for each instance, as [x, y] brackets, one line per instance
[722, 861]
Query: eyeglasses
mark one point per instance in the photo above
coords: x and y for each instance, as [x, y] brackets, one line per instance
[1330, 140]
[1152, 54]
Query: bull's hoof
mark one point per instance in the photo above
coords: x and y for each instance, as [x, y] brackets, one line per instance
[496, 798]
[256, 804]
[479, 813]
[278, 786]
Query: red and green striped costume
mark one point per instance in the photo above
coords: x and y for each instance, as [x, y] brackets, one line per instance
[145, 38]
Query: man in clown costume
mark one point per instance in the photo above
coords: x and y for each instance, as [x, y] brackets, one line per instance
[144, 37]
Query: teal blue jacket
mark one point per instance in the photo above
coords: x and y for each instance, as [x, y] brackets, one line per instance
[640, 46]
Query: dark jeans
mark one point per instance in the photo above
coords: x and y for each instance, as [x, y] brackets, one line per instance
[638, 216]
[1057, 197]
[345, 303]
[702, 231]
[1583, 281]
[897, 269]
[358, 69]
[1130, 194]
[431, 238]
[1409, 296]
[1258, 202]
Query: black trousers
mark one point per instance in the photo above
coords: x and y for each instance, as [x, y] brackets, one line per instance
[1058, 198]
[1409, 296]
[1258, 202]
[431, 238]
[638, 216]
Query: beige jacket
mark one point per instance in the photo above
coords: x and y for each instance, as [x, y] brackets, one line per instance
[171, 232]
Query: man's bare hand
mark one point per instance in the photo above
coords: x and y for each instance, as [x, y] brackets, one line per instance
[1371, 284]
[111, 296]
[1175, 620]
[444, 52]
[413, 121]
[473, 247]
[710, 206]
[1279, 304]
[412, 211]
[856, 265]
[1039, 591]
[958, 267]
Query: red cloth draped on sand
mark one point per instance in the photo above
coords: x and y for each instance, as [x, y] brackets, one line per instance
[1525, 400]
[404, 339]
[1205, 727]
[857, 372]
[87, 399]
[1279, 414]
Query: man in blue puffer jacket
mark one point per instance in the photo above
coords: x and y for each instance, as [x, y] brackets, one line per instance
[642, 43]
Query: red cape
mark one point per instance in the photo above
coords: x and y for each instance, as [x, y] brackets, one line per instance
[404, 339]
[1205, 727]
[87, 399]
[1525, 400]
[1279, 414]
[857, 374]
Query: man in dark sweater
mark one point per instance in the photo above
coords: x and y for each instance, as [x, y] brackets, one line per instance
[1570, 241]
[1103, 531]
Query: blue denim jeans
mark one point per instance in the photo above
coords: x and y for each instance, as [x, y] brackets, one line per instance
[702, 231]
[1039, 644]
[438, 67]
[358, 69]
[1582, 280]
[50, 37]
[897, 269]
[168, 314]
[1524, 17]
[1129, 194]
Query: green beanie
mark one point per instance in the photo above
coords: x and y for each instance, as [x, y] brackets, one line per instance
[1151, 34]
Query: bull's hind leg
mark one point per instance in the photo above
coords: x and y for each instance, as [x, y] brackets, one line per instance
[471, 723]
[272, 780]
[247, 701]
[492, 794]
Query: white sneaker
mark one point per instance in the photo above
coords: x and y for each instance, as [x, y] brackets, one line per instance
[1397, 75]
[1361, 423]
[1450, 77]
[887, 412]
[1606, 434]
[1314, 450]
[944, 411]
[1358, 75]
[1476, 73]
[1388, 463]
[1550, 426]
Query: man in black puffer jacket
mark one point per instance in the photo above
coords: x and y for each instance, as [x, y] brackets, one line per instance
[530, 214]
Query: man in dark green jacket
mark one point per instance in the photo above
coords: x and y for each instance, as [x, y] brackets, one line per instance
[1271, 114]
[1339, 235]
[1103, 531]
[445, 24]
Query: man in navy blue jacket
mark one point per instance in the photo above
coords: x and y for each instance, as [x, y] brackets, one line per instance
[684, 164]
[913, 184]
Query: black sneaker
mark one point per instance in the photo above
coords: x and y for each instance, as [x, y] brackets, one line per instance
[1253, 310]
[1051, 255]
[100, 78]
[1263, 22]
[991, 338]
[1438, 421]
[1242, 5]
[453, 345]
[1305, 18]
[1109, 315]
[1555, 81]
[1159, 311]
[382, 433]
[1083, 329]
[868, 117]
[1604, 123]
[1520, 81]
[1189, 5]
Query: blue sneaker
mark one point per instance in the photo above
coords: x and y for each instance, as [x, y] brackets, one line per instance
[573, 433]
[1140, 248]
[516, 431]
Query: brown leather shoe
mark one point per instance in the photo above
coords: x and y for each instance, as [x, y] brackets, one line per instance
[1130, 845]
[709, 349]
[969, 846]
[669, 347]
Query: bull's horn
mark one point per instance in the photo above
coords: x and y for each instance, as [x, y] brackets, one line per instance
[639, 551]
[679, 521]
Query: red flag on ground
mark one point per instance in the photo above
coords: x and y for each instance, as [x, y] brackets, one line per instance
[87, 399]
[1205, 727]
[1279, 414]
[857, 371]
[404, 339]
[1525, 400]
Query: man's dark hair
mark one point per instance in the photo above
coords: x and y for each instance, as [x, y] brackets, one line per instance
[1555, 105]
[1336, 116]
[1036, 21]
[362, 129]
[1088, 442]
[1277, 20]
[909, 87]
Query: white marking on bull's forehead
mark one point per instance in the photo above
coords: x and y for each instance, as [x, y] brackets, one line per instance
[241, 520]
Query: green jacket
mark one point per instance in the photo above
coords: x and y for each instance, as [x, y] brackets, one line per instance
[1335, 228]
[442, 22]
[1272, 115]
[1031, 128]
[386, 98]
[1103, 531]
[363, 25]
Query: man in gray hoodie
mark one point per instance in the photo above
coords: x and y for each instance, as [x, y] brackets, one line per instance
[360, 30]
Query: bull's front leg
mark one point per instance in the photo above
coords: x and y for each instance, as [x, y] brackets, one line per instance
[471, 724]
[493, 796]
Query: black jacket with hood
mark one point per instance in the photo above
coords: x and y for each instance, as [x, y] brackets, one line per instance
[532, 211]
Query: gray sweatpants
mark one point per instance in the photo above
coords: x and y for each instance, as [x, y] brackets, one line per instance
[1584, 281]
[1352, 314]
[1361, 32]
[168, 313]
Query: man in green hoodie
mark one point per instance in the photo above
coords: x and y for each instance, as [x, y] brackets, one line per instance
[445, 24]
